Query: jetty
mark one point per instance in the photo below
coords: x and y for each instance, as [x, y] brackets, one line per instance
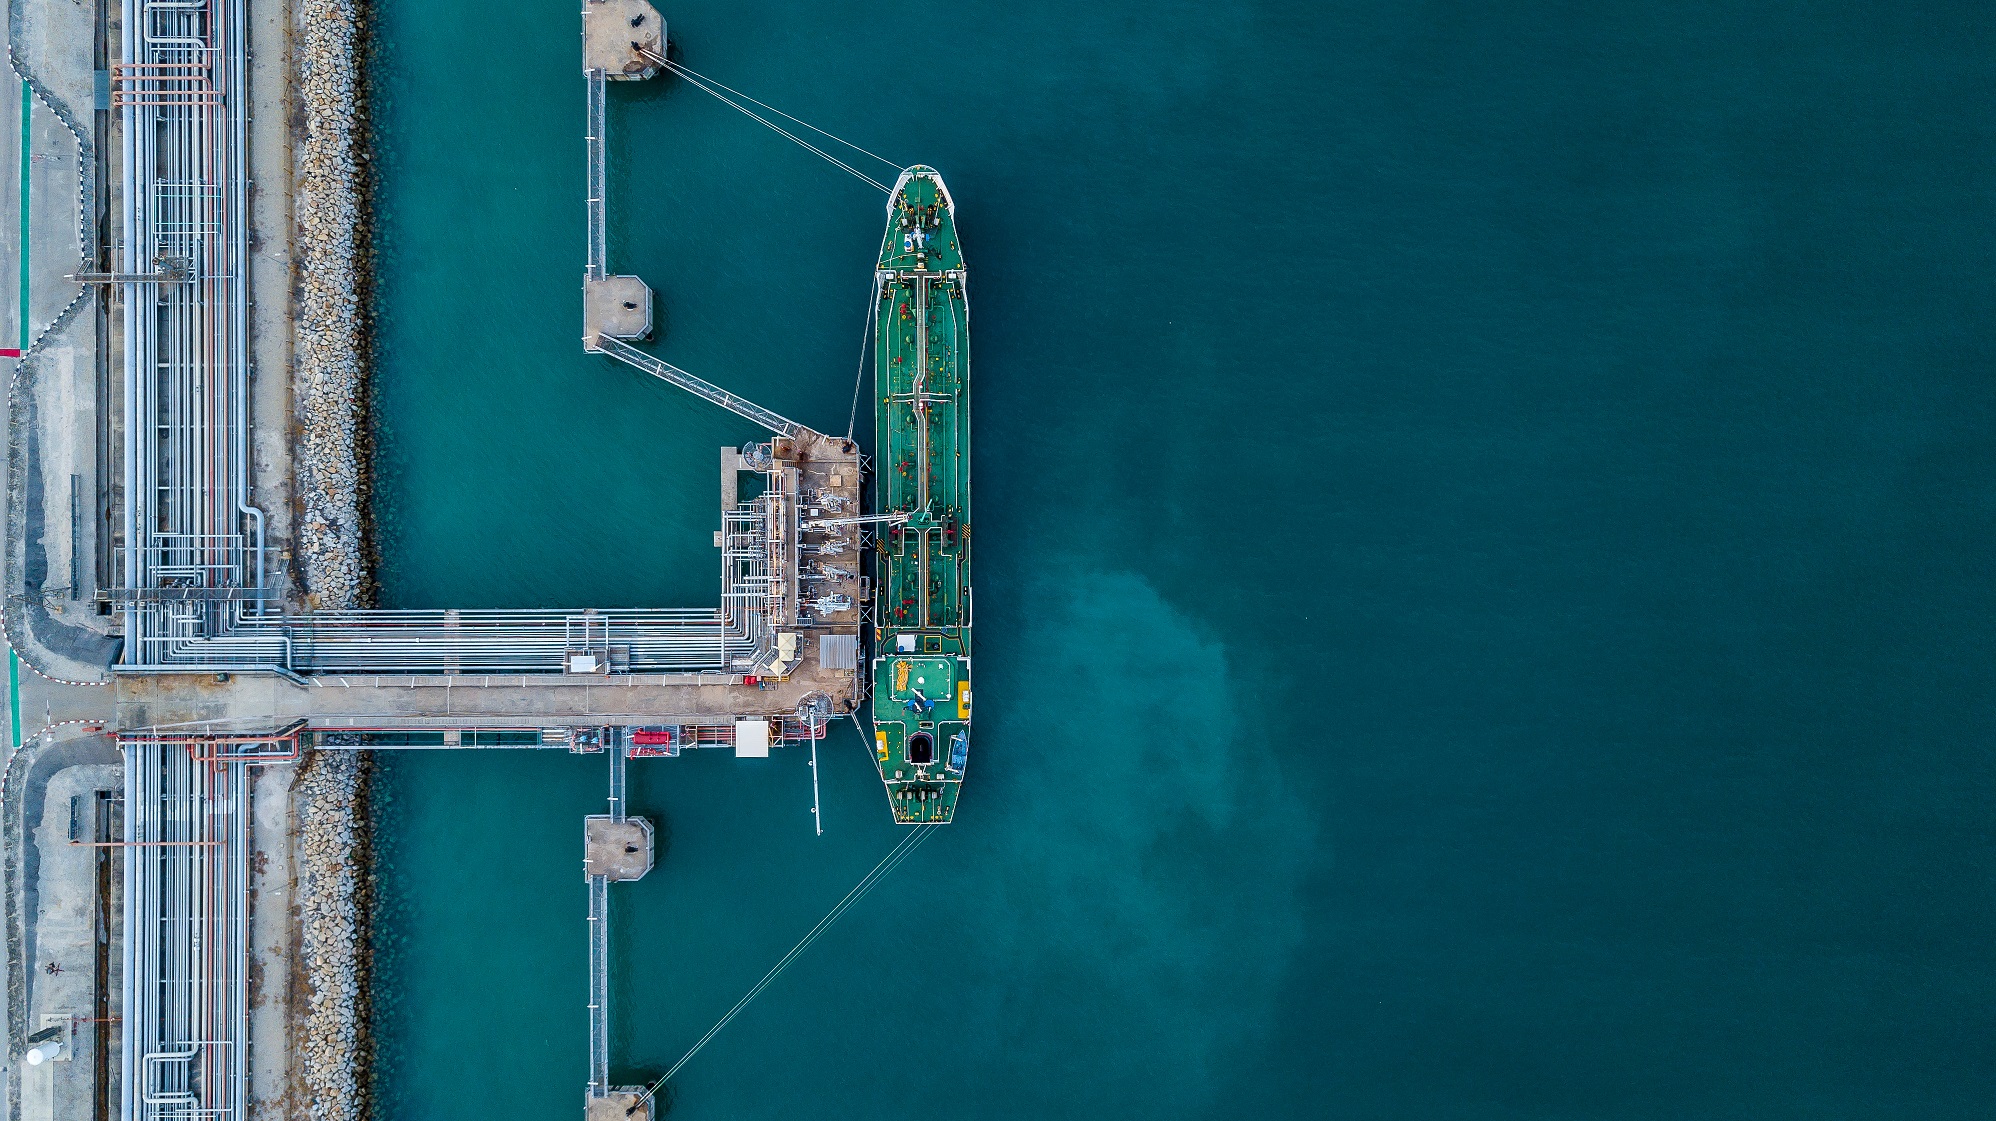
[184, 572]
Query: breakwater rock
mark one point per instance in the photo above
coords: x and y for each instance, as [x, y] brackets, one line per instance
[331, 1038]
[328, 328]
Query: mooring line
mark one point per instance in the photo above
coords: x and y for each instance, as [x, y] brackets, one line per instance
[872, 314]
[702, 84]
[814, 128]
[888, 863]
[901, 851]
[776, 128]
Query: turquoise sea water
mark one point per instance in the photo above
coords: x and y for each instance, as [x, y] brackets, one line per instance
[1484, 554]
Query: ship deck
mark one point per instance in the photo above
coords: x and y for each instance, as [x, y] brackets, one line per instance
[921, 683]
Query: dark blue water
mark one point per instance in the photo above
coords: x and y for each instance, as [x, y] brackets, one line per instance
[1485, 562]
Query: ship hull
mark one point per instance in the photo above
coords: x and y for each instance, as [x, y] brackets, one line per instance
[922, 606]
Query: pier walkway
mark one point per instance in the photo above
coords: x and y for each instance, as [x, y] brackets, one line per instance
[616, 848]
[673, 375]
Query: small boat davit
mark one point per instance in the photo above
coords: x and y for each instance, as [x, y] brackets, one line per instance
[921, 647]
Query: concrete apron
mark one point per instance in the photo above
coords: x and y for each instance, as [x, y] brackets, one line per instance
[58, 939]
[53, 401]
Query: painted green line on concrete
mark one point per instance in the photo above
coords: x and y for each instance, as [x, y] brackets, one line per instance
[14, 695]
[27, 109]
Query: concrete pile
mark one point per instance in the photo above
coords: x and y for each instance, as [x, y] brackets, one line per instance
[331, 1038]
[330, 384]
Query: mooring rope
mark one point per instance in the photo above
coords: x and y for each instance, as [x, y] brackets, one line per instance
[872, 314]
[900, 852]
[715, 90]
[814, 128]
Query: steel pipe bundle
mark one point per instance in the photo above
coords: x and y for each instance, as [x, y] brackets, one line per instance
[186, 934]
[187, 518]
[469, 642]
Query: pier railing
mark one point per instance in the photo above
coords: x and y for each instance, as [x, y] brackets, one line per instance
[466, 642]
[599, 986]
[617, 784]
[599, 249]
[667, 372]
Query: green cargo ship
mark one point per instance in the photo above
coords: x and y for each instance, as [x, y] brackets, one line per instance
[921, 647]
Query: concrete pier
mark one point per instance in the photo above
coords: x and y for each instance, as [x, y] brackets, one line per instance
[622, 1104]
[618, 851]
[617, 306]
[617, 34]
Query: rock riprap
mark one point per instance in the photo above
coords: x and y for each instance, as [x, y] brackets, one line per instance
[331, 1037]
[330, 381]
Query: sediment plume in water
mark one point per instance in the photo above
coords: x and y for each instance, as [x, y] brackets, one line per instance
[331, 1039]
